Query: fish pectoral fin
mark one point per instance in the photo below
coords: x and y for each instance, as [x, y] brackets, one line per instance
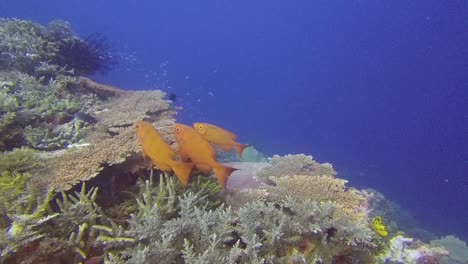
[182, 171]
[222, 174]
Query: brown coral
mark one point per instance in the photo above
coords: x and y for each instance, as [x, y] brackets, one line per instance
[113, 140]
[317, 188]
[301, 187]
[299, 164]
[98, 88]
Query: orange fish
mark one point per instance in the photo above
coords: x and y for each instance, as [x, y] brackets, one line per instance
[200, 151]
[222, 138]
[154, 147]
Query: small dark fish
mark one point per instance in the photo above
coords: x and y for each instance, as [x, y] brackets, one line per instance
[172, 97]
[85, 117]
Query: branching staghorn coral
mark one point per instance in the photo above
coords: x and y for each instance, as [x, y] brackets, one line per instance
[78, 229]
[39, 84]
[24, 45]
[13, 185]
[20, 44]
[269, 225]
[27, 216]
[20, 160]
[259, 232]
[46, 106]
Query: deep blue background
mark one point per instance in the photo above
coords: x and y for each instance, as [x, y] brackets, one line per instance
[378, 88]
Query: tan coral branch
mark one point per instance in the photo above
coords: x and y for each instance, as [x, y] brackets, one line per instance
[98, 88]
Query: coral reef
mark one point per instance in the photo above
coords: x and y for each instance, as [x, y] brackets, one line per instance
[37, 112]
[458, 251]
[258, 232]
[42, 92]
[299, 164]
[20, 160]
[408, 250]
[113, 141]
[61, 132]
[317, 188]
[317, 184]
[26, 46]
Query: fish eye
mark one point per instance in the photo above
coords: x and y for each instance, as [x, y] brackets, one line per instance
[177, 129]
[200, 126]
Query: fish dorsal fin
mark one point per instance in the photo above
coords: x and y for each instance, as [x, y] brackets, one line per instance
[212, 129]
[228, 134]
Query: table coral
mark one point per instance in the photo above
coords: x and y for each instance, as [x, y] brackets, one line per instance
[295, 165]
[113, 140]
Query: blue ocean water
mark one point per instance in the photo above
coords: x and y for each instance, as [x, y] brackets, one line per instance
[377, 88]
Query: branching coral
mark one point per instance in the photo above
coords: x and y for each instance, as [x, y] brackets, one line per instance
[46, 108]
[27, 216]
[258, 232]
[20, 160]
[78, 229]
[12, 186]
[25, 44]
[39, 70]
[21, 44]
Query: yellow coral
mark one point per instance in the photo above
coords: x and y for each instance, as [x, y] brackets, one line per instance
[379, 227]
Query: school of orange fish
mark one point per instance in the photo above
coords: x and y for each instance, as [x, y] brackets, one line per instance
[196, 149]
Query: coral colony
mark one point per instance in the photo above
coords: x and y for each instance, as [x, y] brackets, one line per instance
[75, 187]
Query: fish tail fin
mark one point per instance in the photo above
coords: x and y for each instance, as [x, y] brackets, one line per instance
[182, 170]
[222, 174]
[240, 148]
